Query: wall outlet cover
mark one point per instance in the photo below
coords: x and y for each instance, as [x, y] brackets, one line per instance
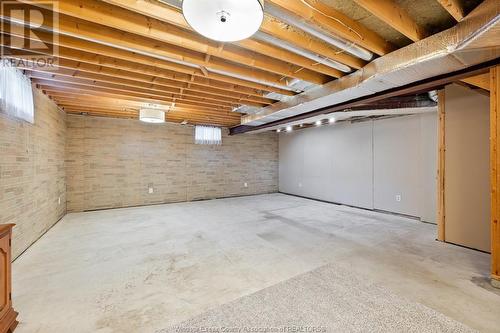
[245, 184]
[398, 198]
[151, 190]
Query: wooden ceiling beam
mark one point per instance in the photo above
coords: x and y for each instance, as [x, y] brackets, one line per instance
[82, 95]
[138, 92]
[318, 14]
[454, 8]
[80, 50]
[171, 15]
[178, 118]
[89, 70]
[181, 91]
[213, 116]
[93, 19]
[390, 12]
[173, 111]
[99, 102]
[46, 84]
[91, 101]
[71, 26]
[481, 81]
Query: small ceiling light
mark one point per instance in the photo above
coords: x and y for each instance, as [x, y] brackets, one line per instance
[152, 116]
[318, 122]
[301, 125]
[332, 120]
[278, 130]
[289, 128]
[224, 20]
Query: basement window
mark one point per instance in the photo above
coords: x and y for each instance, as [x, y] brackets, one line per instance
[16, 93]
[208, 135]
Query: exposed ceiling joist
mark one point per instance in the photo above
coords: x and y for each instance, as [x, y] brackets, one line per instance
[391, 13]
[88, 52]
[179, 43]
[99, 79]
[288, 34]
[171, 15]
[333, 21]
[454, 8]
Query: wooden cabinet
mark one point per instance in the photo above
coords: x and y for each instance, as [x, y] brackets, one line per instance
[8, 316]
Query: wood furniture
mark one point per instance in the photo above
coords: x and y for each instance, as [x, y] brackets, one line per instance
[8, 316]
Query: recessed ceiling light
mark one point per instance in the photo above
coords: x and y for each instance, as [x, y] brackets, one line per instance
[224, 20]
[278, 130]
[289, 128]
[318, 122]
[152, 116]
[332, 120]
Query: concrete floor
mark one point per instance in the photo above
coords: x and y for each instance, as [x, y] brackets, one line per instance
[145, 269]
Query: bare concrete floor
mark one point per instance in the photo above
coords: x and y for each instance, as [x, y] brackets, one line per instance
[145, 269]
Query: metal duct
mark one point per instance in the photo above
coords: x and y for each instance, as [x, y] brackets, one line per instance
[472, 41]
[339, 42]
[287, 46]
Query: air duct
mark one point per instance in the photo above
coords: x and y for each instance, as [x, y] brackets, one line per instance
[472, 41]
[339, 42]
[287, 46]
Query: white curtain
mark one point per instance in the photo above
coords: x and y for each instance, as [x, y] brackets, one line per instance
[16, 93]
[207, 135]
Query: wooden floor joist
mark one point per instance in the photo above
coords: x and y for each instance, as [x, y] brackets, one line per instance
[394, 15]
[454, 8]
[88, 52]
[321, 15]
[174, 16]
[100, 21]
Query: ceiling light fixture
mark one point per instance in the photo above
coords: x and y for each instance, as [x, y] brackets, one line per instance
[278, 130]
[154, 116]
[289, 128]
[332, 120]
[224, 20]
[318, 122]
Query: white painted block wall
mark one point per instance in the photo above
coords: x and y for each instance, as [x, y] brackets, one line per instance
[365, 164]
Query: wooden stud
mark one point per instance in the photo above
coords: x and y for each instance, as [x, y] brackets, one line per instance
[495, 170]
[441, 208]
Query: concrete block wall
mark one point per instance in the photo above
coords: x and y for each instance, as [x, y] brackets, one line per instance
[113, 162]
[32, 172]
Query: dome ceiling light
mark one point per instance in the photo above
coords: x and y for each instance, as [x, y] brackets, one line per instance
[154, 116]
[224, 20]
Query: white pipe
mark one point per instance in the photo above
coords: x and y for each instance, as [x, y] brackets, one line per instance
[287, 46]
[295, 21]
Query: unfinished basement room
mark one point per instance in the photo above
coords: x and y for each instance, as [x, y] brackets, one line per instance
[249, 166]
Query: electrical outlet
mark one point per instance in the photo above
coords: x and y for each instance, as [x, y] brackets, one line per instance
[151, 190]
[398, 198]
[245, 184]
[300, 184]
[59, 200]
